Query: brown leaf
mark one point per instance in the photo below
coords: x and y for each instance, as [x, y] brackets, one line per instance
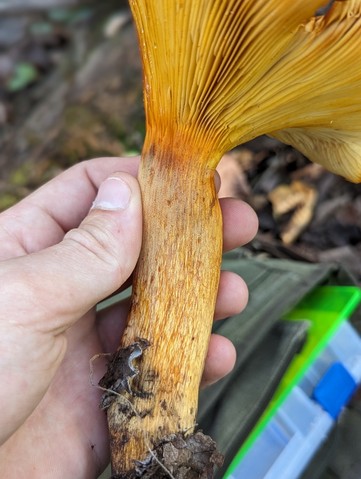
[298, 199]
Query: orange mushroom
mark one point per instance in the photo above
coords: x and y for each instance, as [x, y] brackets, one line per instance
[216, 74]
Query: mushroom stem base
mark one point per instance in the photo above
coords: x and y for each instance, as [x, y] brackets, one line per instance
[178, 456]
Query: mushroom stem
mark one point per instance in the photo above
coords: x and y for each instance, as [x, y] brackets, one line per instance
[173, 301]
[212, 80]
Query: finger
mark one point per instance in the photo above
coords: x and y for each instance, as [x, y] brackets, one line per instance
[240, 223]
[221, 354]
[232, 298]
[58, 206]
[217, 181]
[43, 294]
[220, 360]
[111, 323]
[89, 264]
[232, 295]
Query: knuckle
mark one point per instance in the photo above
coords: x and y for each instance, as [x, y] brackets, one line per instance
[96, 244]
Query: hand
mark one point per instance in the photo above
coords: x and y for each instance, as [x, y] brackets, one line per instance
[57, 261]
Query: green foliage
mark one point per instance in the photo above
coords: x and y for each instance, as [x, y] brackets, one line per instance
[24, 75]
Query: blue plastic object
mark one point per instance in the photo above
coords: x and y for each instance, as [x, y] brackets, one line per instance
[335, 389]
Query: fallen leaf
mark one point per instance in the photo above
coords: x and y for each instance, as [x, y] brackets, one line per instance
[297, 198]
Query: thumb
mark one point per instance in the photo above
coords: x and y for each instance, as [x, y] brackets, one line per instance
[44, 293]
[91, 262]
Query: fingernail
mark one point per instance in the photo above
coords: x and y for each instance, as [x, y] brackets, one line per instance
[113, 194]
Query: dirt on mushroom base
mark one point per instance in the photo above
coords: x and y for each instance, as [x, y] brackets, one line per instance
[179, 457]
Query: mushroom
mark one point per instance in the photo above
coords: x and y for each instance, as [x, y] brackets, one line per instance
[216, 74]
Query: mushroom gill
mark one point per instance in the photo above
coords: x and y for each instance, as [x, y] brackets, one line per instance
[324, 111]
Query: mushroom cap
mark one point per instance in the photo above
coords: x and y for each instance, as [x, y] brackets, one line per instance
[338, 151]
[326, 120]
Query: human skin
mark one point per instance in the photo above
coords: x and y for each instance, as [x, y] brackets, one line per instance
[57, 261]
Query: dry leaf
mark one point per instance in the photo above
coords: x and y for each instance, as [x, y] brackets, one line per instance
[298, 198]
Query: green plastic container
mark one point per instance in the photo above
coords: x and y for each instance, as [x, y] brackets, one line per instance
[326, 308]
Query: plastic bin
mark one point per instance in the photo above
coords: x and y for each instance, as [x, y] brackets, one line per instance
[317, 385]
